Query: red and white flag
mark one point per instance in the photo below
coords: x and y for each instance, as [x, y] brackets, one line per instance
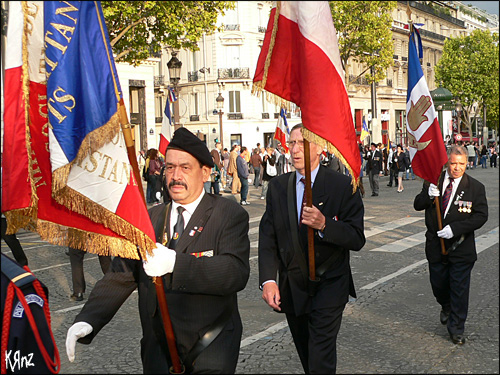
[427, 150]
[300, 63]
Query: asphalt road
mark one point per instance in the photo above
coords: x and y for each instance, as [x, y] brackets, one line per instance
[392, 327]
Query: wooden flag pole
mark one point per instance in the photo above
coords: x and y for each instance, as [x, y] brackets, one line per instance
[310, 231]
[158, 281]
[440, 224]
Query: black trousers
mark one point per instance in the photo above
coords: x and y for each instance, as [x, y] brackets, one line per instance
[315, 337]
[76, 259]
[450, 285]
[14, 245]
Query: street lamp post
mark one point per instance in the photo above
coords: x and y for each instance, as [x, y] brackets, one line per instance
[220, 107]
[174, 70]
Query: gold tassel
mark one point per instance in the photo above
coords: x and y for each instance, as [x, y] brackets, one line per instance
[314, 138]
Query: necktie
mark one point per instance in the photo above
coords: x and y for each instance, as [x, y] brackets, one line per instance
[178, 228]
[303, 180]
[447, 194]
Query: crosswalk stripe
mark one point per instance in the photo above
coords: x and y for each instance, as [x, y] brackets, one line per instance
[391, 225]
[402, 244]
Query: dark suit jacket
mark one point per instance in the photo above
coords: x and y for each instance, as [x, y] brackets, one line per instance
[374, 163]
[198, 290]
[332, 195]
[469, 190]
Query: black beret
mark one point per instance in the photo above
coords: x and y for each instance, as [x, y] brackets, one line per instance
[186, 141]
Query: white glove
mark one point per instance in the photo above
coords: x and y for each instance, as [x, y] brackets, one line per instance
[445, 233]
[158, 195]
[162, 261]
[76, 331]
[433, 191]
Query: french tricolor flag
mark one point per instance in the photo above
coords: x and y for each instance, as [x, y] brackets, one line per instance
[427, 150]
[166, 126]
[282, 133]
[300, 63]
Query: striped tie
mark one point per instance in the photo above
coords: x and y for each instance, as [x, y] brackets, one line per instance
[303, 180]
[447, 194]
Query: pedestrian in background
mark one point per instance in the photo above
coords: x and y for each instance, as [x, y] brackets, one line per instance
[256, 162]
[393, 168]
[243, 174]
[154, 168]
[313, 312]
[225, 163]
[464, 209]
[484, 156]
[374, 168]
[493, 156]
[77, 276]
[269, 170]
[402, 165]
[232, 169]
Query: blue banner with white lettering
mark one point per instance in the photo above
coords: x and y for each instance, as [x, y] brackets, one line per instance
[82, 85]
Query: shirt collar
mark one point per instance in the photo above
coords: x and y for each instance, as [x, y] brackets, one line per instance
[190, 207]
[314, 173]
[456, 181]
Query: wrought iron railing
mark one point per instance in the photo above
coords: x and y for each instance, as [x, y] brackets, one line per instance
[193, 76]
[159, 80]
[235, 27]
[234, 73]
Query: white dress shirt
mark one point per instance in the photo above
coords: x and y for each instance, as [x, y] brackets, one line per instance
[446, 181]
[189, 210]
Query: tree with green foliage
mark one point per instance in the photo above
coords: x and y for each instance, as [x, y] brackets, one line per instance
[364, 29]
[469, 69]
[138, 28]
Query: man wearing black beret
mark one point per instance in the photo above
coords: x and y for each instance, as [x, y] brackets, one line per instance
[203, 256]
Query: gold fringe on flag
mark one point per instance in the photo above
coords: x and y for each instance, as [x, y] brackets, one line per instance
[26, 216]
[259, 86]
[314, 138]
[79, 203]
[90, 242]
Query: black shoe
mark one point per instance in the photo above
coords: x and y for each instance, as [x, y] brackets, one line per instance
[457, 339]
[443, 316]
[76, 297]
[390, 185]
[373, 194]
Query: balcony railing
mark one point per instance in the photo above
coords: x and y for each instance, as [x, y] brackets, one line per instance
[194, 118]
[430, 34]
[159, 80]
[158, 120]
[359, 80]
[154, 54]
[232, 27]
[193, 76]
[235, 116]
[265, 116]
[234, 73]
[430, 10]
[261, 29]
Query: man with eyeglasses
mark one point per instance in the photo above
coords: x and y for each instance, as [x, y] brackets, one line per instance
[314, 315]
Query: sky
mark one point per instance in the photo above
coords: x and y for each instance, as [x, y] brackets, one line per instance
[488, 6]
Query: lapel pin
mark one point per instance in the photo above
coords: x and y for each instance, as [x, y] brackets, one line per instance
[191, 233]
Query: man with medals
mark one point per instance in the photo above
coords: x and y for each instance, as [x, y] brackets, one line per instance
[450, 273]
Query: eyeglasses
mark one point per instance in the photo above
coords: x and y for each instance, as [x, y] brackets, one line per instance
[298, 143]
